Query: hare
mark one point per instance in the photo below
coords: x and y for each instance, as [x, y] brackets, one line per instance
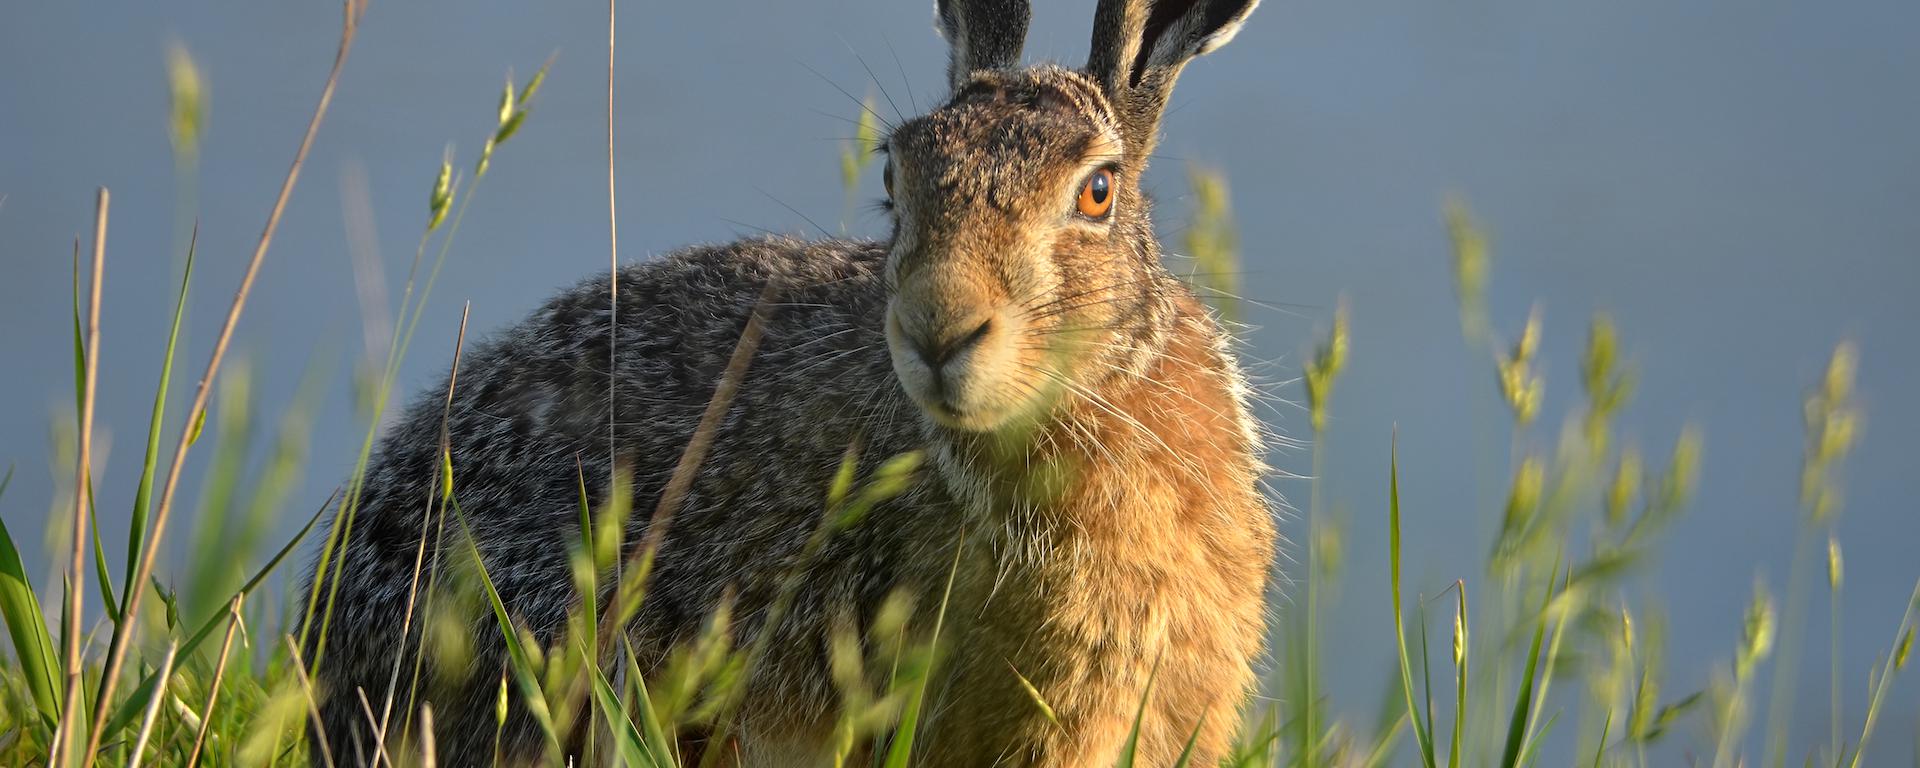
[1089, 510]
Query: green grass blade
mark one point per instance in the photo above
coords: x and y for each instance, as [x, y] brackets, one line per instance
[901, 750]
[1423, 738]
[111, 605]
[655, 735]
[1384, 747]
[79, 395]
[1426, 668]
[1600, 753]
[1886, 674]
[32, 644]
[125, 714]
[1461, 655]
[1245, 755]
[79, 339]
[627, 742]
[143, 495]
[517, 657]
[1517, 727]
[1532, 750]
[1186, 752]
[1132, 750]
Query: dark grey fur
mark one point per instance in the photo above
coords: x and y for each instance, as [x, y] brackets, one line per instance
[533, 401]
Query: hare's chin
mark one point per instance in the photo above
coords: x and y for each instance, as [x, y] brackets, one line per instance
[976, 419]
[969, 402]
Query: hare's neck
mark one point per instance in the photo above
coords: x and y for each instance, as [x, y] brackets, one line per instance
[1127, 465]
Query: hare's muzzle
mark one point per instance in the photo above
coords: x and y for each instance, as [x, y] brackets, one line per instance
[959, 364]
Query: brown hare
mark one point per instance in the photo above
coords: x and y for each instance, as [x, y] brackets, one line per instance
[1092, 472]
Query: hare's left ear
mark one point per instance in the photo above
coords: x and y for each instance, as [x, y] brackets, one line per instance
[1139, 47]
[984, 34]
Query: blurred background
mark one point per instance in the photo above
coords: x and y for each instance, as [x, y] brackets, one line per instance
[1736, 183]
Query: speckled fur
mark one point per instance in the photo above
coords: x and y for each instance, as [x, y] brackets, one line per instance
[1098, 466]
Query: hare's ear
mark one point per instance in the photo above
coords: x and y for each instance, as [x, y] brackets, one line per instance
[1139, 47]
[984, 34]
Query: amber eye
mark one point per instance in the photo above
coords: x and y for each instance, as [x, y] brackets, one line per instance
[1096, 196]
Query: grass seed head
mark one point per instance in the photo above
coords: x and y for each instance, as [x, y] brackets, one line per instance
[1836, 567]
[441, 198]
[1212, 241]
[1470, 267]
[1756, 639]
[1905, 649]
[857, 154]
[1324, 367]
[1625, 485]
[1521, 385]
[188, 89]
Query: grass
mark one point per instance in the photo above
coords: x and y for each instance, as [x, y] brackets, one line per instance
[1554, 612]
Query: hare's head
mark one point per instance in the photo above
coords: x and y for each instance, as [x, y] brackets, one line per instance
[1023, 264]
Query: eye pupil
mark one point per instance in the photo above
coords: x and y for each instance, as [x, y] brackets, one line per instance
[1096, 195]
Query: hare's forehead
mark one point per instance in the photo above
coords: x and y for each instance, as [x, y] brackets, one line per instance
[1022, 122]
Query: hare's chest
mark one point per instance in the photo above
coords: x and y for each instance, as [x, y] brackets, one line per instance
[1088, 641]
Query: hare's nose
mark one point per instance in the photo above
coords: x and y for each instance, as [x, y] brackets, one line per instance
[938, 346]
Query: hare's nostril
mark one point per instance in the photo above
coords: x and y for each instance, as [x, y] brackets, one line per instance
[936, 352]
[973, 337]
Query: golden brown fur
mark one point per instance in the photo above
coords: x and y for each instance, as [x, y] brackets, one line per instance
[1153, 549]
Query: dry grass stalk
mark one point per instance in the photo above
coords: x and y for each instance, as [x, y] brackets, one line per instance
[219, 674]
[153, 707]
[76, 577]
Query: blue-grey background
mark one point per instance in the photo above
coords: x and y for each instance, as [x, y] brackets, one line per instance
[1737, 182]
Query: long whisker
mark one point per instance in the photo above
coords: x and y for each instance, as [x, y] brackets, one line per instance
[874, 78]
[849, 95]
[796, 212]
[904, 80]
[760, 229]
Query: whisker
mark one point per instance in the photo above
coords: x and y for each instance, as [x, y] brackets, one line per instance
[904, 80]
[875, 78]
[850, 96]
[760, 229]
[796, 212]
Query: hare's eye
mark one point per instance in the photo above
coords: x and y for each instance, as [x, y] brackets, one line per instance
[886, 179]
[1096, 195]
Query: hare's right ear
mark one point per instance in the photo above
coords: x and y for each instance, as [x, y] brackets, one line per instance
[984, 34]
[1139, 47]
